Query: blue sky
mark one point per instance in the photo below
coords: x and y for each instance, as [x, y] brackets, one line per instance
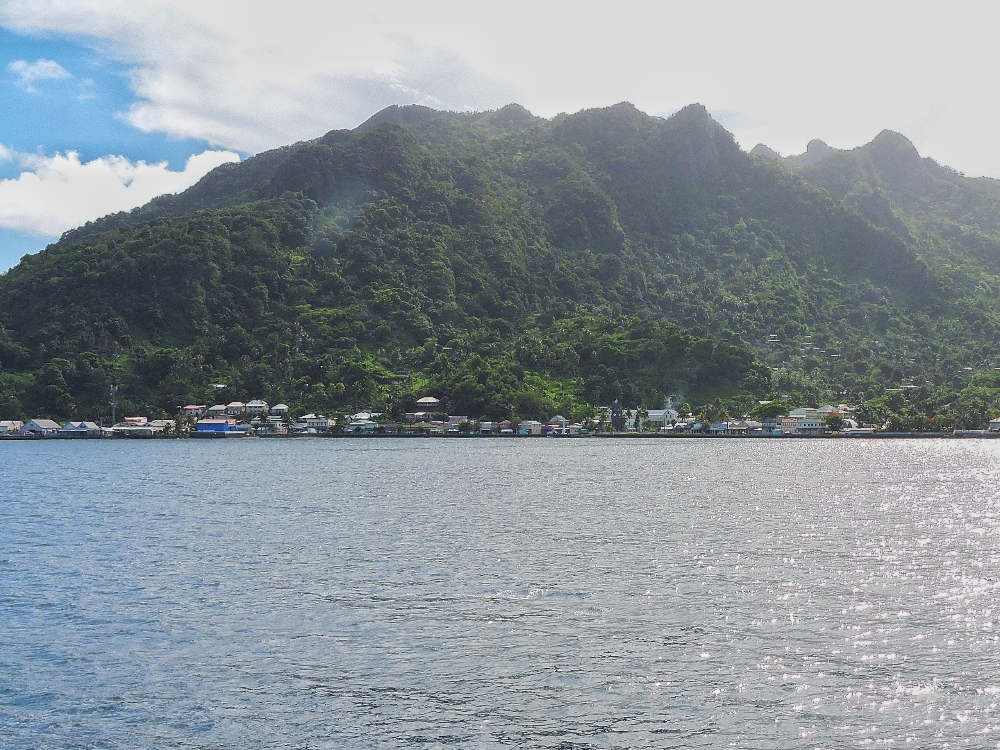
[105, 104]
[75, 114]
[76, 105]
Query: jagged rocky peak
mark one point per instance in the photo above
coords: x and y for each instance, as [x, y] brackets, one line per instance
[817, 149]
[766, 152]
[891, 145]
[898, 162]
[694, 111]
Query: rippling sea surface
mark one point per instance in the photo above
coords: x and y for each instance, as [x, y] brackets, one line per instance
[499, 593]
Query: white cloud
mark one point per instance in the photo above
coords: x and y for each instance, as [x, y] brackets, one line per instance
[57, 193]
[40, 70]
[785, 72]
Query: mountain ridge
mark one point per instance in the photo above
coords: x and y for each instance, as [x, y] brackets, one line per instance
[497, 239]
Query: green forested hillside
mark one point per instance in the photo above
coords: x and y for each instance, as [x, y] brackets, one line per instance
[515, 266]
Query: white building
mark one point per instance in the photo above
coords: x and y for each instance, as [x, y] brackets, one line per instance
[804, 412]
[315, 421]
[559, 424]
[80, 429]
[428, 403]
[810, 426]
[661, 417]
[235, 407]
[9, 427]
[41, 428]
[529, 427]
[256, 407]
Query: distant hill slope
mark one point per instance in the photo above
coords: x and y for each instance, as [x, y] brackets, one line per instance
[518, 266]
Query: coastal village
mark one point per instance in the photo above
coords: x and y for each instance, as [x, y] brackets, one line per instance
[257, 418]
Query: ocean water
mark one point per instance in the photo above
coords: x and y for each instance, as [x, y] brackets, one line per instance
[381, 593]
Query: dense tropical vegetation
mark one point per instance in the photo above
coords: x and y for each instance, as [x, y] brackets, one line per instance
[515, 266]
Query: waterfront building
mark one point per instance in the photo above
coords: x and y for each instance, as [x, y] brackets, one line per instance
[40, 428]
[810, 425]
[529, 427]
[660, 417]
[141, 427]
[80, 430]
[10, 427]
[559, 425]
[771, 425]
[215, 425]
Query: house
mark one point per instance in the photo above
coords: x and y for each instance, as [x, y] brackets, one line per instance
[10, 427]
[804, 411]
[789, 425]
[80, 430]
[140, 427]
[660, 417]
[236, 407]
[744, 428]
[739, 428]
[40, 428]
[272, 426]
[279, 410]
[771, 425]
[718, 428]
[559, 425]
[994, 425]
[315, 421]
[193, 410]
[851, 428]
[216, 411]
[428, 403]
[810, 425]
[363, 426]
[256, 407]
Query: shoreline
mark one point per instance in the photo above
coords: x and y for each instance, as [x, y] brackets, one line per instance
[970, 435]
